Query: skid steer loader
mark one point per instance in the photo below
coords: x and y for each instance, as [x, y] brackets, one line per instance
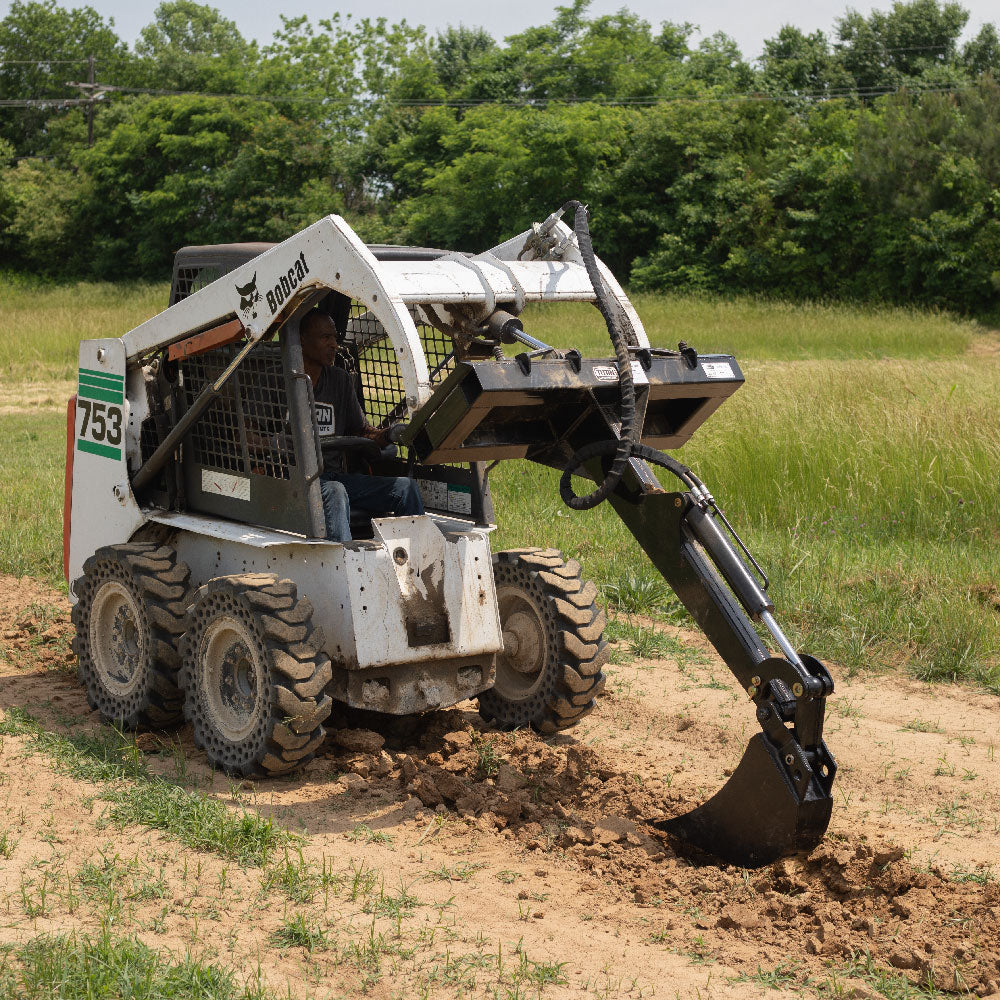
[204, 586]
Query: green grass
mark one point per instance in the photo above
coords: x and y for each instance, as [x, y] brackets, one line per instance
[137, 796]
[761, 329]
[867, 491]
[71, 967]
[32, 459]
[858, 462]
[41, 325]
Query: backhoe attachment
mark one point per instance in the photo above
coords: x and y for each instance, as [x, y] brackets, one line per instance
[778, 800]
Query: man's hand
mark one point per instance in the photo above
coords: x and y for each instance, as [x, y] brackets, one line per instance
[379, 436]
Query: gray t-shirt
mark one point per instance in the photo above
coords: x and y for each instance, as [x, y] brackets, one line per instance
[338, 411]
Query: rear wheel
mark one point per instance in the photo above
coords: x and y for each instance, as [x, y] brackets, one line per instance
[254, 676]
[549, 672]
[128, 617]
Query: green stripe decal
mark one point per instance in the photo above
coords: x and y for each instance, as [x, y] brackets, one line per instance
[119, 379]
[106, 395]
[100, 383]
[93, 448]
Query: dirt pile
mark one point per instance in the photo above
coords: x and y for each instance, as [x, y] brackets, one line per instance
[851, 897]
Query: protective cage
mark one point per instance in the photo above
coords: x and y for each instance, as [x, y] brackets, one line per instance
[253, 456]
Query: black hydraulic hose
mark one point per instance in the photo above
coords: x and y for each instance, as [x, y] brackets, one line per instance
[629, 437]
[651, 455]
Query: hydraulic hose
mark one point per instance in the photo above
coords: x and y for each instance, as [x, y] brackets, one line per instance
[628, 439]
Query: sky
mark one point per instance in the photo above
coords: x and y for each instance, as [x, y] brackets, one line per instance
[748, 22]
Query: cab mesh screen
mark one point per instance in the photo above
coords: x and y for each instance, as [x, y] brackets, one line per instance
[382, 390]
[244, 430]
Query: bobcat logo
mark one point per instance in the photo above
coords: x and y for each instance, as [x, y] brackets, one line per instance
[249, 297]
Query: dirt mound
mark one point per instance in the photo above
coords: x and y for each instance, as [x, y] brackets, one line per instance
[851, 897]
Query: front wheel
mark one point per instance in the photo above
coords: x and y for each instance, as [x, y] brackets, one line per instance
[254, 676]
[549, 673]
[129, 614]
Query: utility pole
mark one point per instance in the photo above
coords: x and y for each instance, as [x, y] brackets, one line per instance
[94, 92]
[90, 106]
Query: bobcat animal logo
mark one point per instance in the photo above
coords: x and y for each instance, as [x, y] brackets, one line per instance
[249, 297]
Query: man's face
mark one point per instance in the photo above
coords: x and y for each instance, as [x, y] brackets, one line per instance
[319, 341]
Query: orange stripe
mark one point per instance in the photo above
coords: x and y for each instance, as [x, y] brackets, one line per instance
[68, 486]
[218, 336]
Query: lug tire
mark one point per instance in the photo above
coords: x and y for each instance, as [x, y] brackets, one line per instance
[130, 613]
[254, 675]
[550, 674]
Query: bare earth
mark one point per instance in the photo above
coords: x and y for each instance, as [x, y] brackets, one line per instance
[451, 878]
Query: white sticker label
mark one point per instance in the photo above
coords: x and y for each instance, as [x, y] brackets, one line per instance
[605, 374]
[434, 494]
[717, 369]
[225, 485]
[459, 500]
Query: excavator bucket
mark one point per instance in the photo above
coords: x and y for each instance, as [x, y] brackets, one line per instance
[758, 816]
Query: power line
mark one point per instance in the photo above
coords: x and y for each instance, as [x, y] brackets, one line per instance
[44, 102]
[43, 62]
[513, 103]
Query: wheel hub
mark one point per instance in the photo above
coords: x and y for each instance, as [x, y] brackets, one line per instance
[524, 642]
[232, 678]
[522, 664]
[116, 637]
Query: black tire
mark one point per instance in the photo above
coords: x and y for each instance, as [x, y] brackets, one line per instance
[254, 675]
[550, 671]
[129, 615]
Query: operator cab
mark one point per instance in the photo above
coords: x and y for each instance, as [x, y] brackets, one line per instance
[248, 458]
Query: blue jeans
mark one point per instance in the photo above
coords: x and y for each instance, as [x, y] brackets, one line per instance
[376, 493]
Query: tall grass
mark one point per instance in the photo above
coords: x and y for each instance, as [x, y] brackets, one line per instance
[32, 457]
[858, 460]
[868, 489]
[41, 325]
[762, 329]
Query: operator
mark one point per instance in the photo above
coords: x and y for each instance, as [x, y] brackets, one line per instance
[339, 412]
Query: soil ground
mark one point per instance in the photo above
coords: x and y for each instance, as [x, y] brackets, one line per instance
[444, 859]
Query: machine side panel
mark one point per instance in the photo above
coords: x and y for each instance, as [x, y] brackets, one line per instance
[104, 510]
[419, 595]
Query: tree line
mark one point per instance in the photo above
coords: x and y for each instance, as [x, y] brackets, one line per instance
[863, 164]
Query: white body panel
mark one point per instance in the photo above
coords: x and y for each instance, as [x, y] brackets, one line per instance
[104, 511]
[361, 592]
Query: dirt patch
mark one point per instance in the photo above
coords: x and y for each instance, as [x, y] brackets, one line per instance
[506, 837]
[29, 397]
[35, 628]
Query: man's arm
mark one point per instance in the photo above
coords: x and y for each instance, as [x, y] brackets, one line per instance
[356, 423]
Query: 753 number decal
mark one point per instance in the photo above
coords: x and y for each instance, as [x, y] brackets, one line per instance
[102, 422]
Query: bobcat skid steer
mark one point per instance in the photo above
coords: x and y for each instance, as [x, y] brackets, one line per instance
[204, 587]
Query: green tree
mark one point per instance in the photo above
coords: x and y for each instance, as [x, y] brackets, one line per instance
[797, 65]
[45, 229]
[982, 53]
[889, 49]
[183, 170]
[191, 46]
[497, 169]
[42, 46]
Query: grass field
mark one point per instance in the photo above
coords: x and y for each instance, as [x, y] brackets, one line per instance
[858, 462]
